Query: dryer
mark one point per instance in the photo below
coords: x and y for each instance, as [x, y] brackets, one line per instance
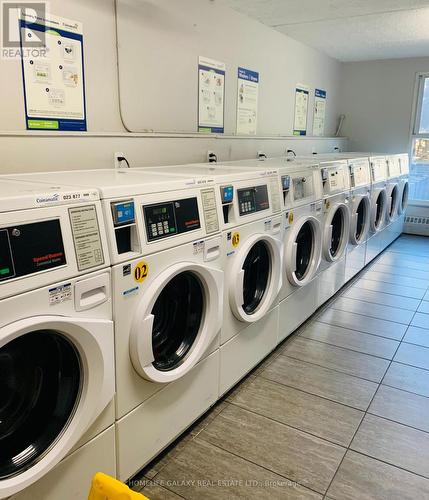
[251, 225]
[378, 168]
[335, 180]
[360, 211]
[165, 246]
[56, 342]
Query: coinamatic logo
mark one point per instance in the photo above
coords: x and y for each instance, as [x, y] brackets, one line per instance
[54, 198]
[21, 35]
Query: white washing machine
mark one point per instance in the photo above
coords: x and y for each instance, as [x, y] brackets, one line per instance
[165, 245]
[335, 181]
[251, 224]
[378, 168]
[56, 342]
[394, 224]
[360, 211]
[404, 162]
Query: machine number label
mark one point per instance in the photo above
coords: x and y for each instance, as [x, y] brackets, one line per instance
[141, 271]
[235, 239]
[290, 217]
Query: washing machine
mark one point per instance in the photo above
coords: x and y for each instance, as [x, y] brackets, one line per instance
[165, 247]
[57, 379]
[360, 211]
[335, 180]
[404, 162]
[378, 168]
[251, 223]
[394, 224]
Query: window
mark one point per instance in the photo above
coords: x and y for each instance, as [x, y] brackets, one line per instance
[419, 166]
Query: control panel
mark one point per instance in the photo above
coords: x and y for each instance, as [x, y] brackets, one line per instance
[31, 248]
[170, 218]
[394, 166]
[359, 174]
[253, 199]
[378, 168]
[334, 178]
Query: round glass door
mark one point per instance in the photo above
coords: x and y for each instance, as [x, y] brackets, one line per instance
[380, 207]
[40, 384]
[337, 232]
[257, 269]
[178, 313]
[393, 202]
[362, 215]
[304, 250]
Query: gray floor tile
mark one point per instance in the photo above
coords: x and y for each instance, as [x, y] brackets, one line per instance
[413, 262]
[206, 471]
[421, 320]
[396, 280]
[155, 492]
[351, 339]
[319, 416]
[363, 324]
[407, 378]
[424, 308]
[304, 458]
[419, 336]
[337, 358]
[323, 382]
[402, 270]
[413, 355]
[363, 478]
[384, 299]
[393, 289]
[393, 443]
[401, 406]
[373, 310]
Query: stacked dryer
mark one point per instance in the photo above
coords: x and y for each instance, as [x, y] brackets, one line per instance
[165, 246]
[56, 342]
[251, 224]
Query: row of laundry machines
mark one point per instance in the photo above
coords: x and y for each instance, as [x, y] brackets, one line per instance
[132, 300]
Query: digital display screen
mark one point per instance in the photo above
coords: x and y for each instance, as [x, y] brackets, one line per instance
[253, 199]
[227, 194]
[170, 218]
[123, 213]
[6, 263]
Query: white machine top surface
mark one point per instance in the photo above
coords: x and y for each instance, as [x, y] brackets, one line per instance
[219, 172]
[112, 183]
[24, 194]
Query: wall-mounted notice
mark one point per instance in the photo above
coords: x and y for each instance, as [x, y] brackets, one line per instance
[319, 112]
[211, 95]
[247, 101]
[302, 93]
[54, 87]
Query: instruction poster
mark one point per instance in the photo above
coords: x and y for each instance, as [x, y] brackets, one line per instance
[247, 101]
[319, 112]
[211, 95]
[302, 93]
[54, 87]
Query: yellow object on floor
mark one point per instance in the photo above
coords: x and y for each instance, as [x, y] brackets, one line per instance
[105, 487]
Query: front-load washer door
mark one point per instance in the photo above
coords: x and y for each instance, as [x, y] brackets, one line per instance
[360, 219]
[336, 233]
[392, 202]
[303, 250]
[176, 321]
[56, 376]
[255, 279]
[378, 210]
[403, 197]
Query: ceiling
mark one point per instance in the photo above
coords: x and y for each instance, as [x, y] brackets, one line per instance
[348, 30]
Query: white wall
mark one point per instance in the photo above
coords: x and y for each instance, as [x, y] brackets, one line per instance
[377, 99]
[282, 62]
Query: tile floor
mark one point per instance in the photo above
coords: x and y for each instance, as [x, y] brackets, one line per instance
[340, 410]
